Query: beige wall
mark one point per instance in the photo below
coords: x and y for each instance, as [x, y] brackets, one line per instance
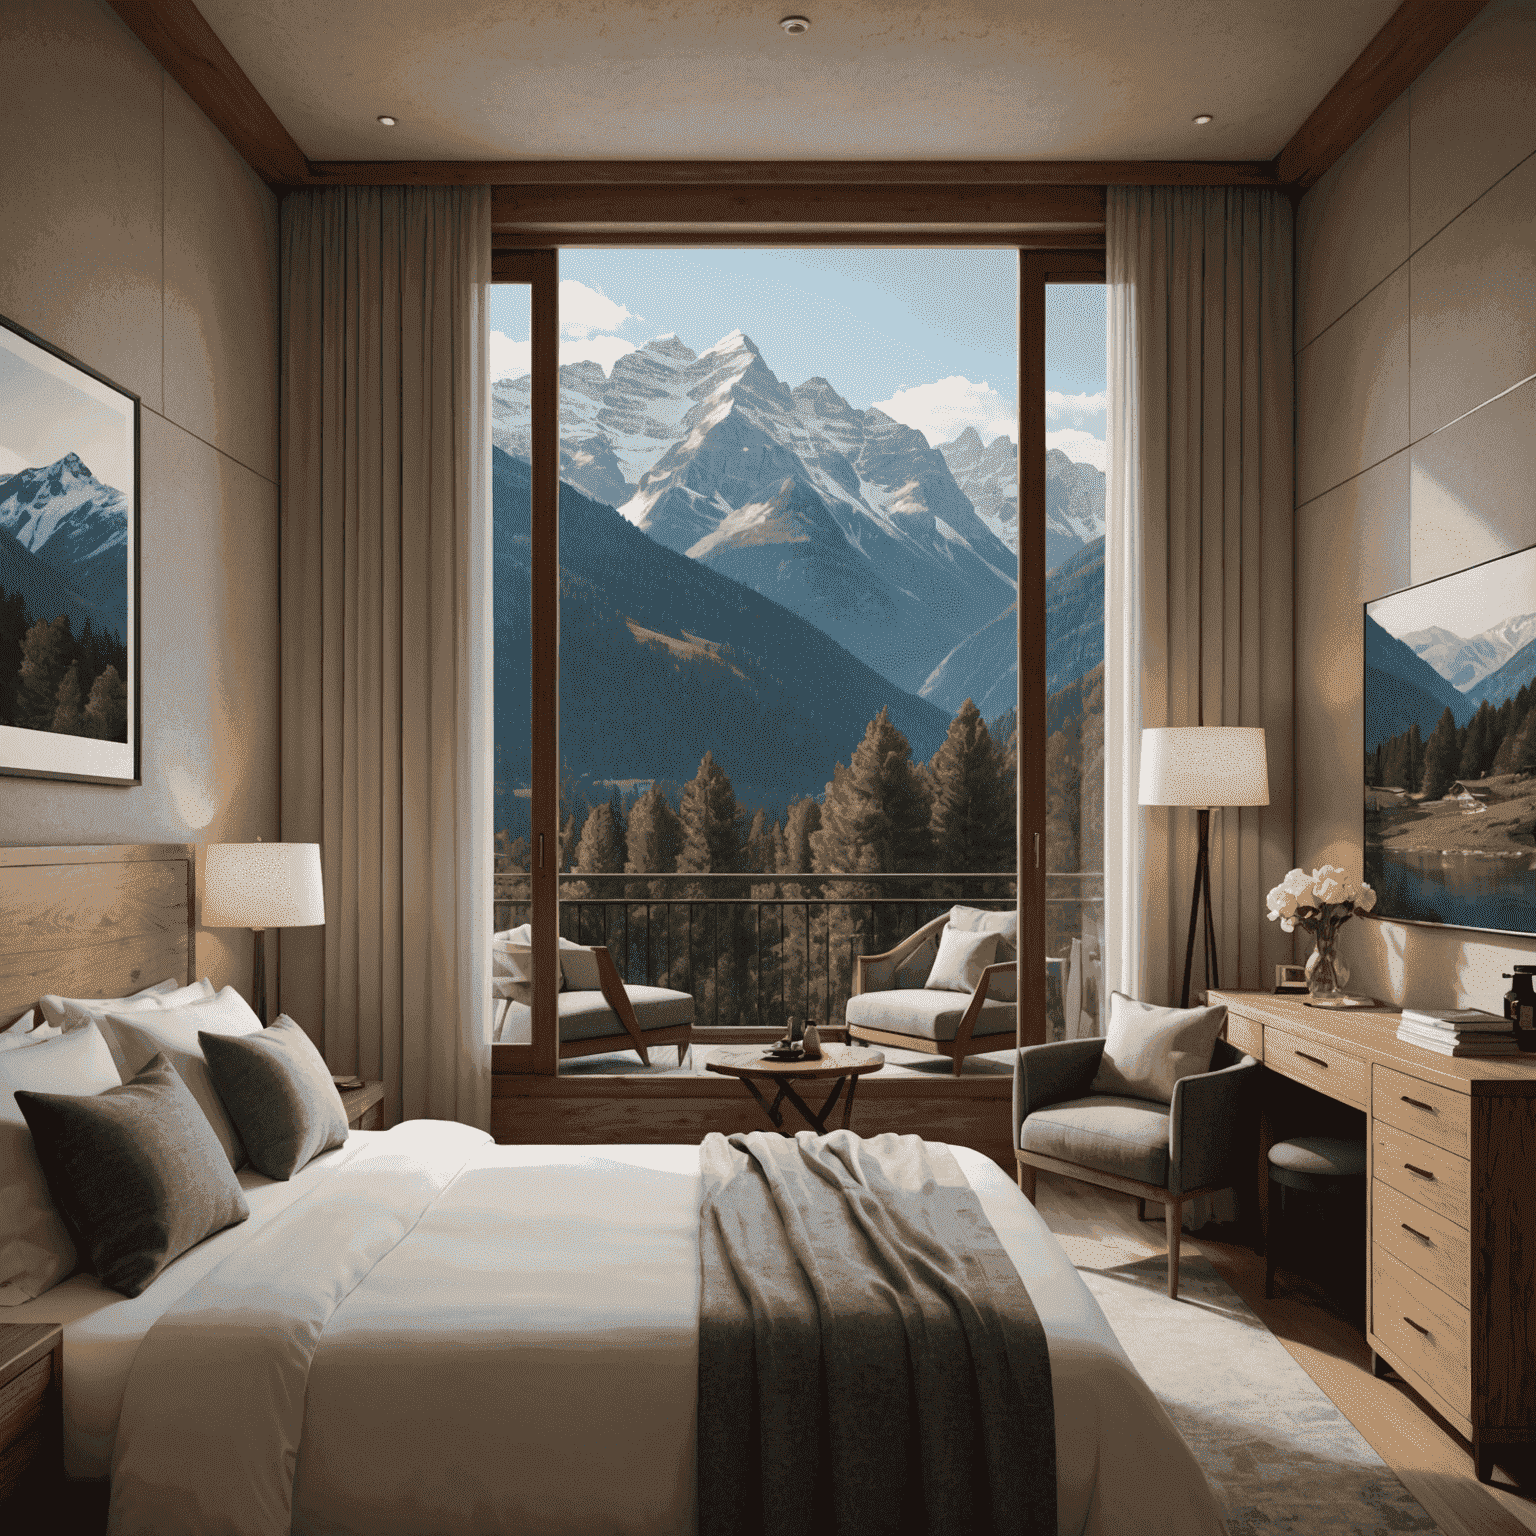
[136, 239]
[1416, 427]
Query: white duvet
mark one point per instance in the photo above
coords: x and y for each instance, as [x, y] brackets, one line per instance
[446, 1336]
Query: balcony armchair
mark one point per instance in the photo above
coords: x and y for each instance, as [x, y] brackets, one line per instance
[613, 1016]
[891, 1006]
[1168, 1153]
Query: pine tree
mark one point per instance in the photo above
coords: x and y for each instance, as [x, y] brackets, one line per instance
[14, 623]
[45, 657]
[777, 849]
[1413, 769]
[874, 817]
[1477, 752]
[106, 711]
[68, 718]
[759, 853]
[600, 850]
[1441, 757]
[1523, 758]
[654, 835]
[712, 823]
[804, 818]
[972, 817]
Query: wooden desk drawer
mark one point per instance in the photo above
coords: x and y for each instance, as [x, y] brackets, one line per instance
[21, 1400]
[1246, 1035]
[1424, 1172]
[1323, 1067]
[1423, 1109]
[1423, 1241]
[1426, 1329]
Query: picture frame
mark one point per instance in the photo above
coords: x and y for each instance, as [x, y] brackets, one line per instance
[70, 661]
[1449, 709]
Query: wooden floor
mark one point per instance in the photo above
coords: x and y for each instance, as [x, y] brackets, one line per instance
[1098, 1229]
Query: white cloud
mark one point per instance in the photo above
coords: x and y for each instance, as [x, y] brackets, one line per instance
[941, 411]
[513, 359]
[12, 463]
[1074, 408]
[1082, 446]
[584, 311]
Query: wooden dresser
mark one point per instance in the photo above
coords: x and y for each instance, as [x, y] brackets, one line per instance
[1451, 1245]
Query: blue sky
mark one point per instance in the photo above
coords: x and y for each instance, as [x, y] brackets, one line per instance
[927, 335]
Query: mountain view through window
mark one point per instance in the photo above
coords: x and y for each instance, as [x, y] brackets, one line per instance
[788, 610]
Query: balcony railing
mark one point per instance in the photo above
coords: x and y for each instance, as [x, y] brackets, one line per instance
[754, 949]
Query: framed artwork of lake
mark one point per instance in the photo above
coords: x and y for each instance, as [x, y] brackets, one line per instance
[1450, 748]
[69, 501]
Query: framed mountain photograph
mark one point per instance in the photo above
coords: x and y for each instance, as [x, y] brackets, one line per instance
[69, 502]
[1450, 748]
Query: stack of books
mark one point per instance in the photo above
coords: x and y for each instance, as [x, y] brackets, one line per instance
[1458, 1031]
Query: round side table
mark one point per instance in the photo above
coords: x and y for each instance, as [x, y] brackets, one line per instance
[842, 1065]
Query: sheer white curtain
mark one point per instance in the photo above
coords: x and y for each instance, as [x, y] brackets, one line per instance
[1198, 564]
[386, 664]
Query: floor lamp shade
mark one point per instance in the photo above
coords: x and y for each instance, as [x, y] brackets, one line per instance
[261, 886]
[1203, 766]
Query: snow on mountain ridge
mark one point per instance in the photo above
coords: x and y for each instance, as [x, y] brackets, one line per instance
[1464, 663]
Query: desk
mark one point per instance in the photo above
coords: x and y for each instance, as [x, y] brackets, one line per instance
[1451, 1213]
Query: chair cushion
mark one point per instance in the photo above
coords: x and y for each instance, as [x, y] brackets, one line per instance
[1106, 1132]
[587, 1016]
[1147, 1049]
[961, 959]
[1329, 1157]
[930, 1015]
[1001, 989]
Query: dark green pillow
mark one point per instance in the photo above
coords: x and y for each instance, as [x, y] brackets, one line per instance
[136, 1171]
[278, 1091]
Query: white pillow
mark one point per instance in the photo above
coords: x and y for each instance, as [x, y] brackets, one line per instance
[961, 959]
[22, 1033]
[1147, 1049]
[578, 968]
[78, 1012]
[55, 1007]
[141, 1035]
[35, 1248]
[1002, 988]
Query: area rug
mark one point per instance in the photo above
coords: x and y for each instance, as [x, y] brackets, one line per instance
[1280, 1456]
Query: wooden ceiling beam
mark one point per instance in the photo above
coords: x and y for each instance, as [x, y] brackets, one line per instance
[175, 32]
[779, 236]
[1415, 35]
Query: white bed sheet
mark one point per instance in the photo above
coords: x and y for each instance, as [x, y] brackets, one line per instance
[102, 1328]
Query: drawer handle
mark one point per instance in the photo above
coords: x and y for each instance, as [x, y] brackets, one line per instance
[1317, 1061]
[1414, 1232]
[1417, 1326]
[1423, 1173]
[1428, 1109]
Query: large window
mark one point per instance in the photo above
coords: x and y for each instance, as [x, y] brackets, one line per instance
[789, 608]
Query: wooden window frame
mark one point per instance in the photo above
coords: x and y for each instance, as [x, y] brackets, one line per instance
[539, 270]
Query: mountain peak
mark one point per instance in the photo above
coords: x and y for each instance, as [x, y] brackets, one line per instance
[969, 440]
[668, 345]
[736, 341]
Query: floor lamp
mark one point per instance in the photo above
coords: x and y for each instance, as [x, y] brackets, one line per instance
[1204, 767]
[260, 886]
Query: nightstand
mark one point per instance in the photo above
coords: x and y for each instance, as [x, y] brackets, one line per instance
[31, 1418]
[364, 1106]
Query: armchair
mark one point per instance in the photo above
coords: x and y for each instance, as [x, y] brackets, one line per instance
[1168, 1153]
[891, 1006]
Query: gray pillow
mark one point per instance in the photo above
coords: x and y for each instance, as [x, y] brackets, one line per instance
[1147, 1049]
[278, 1091]
[136, 1171]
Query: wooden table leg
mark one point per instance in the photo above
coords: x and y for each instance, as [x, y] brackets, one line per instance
[771, 1110]
[812, 1118]
[853, 1082]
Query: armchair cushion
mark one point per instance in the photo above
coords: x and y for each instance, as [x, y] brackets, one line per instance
[1005, 925]
[931, 1015]
[1147, 1049]
[587, 1016]
[1109, 1133]
[961, 959]
[1048, 1073]
[1213, 1119]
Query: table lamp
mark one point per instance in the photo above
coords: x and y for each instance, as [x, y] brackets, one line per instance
[1203, 766]
[259, 886]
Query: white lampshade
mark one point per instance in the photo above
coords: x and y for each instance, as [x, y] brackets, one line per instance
[262, 885]
[1204, 765]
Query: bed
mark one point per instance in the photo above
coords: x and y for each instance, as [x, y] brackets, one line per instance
[496, 1338]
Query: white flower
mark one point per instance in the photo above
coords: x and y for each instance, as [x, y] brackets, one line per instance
[1366, 899]
[1298, 883]
[1288, 924]
[1330, 891]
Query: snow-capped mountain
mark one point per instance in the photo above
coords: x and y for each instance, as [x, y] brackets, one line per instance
[76, 526]
[989, 475]
[846, 517]
[1465, 663]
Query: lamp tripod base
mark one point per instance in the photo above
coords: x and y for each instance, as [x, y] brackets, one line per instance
[1202, 889]
[259, 974]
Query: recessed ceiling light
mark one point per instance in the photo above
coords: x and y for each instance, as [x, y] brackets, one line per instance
[795, 25]
[386, 121]
[1203, 118]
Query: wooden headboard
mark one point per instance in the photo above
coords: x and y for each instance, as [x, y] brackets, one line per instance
[98, 921]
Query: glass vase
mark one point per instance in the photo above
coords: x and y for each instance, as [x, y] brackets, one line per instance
[1327, 975]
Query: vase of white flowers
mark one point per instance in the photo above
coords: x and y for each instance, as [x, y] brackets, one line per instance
[1322, 903]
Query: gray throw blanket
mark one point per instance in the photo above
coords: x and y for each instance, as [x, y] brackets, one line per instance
[870, 1363]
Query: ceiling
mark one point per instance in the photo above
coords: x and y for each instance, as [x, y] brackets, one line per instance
[718, 79]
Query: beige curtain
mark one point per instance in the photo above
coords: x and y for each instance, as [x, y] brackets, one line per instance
[386, 670]
[1198, 569]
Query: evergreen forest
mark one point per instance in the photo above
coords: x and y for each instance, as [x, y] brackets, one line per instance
[52, 679]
